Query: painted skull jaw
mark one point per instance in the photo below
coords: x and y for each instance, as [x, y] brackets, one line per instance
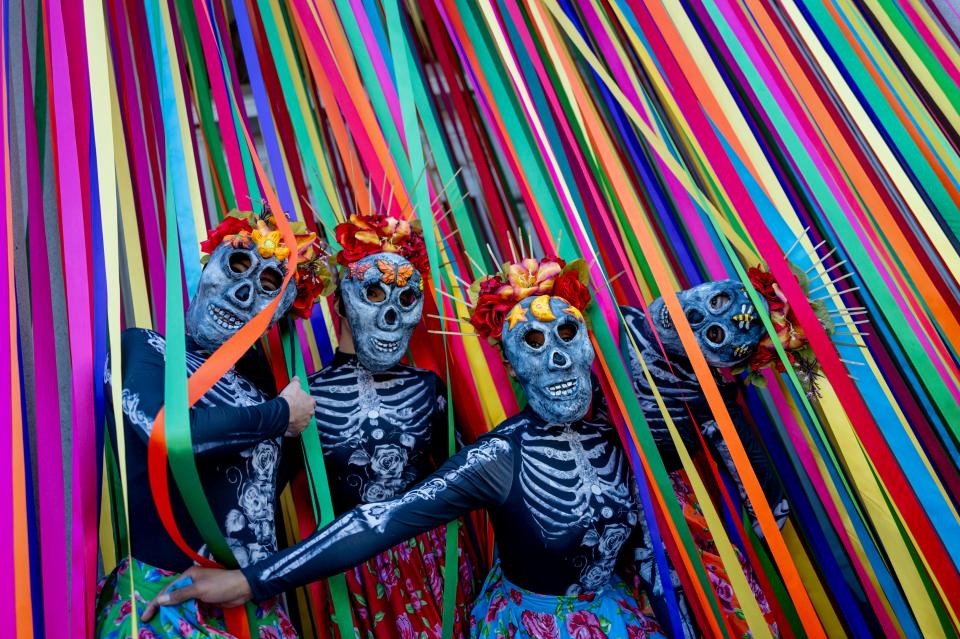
[724, 320]
[546, 342]
[235, 285]
[382, 296]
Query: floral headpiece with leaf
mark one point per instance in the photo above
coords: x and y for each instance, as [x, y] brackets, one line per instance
[314, 276]
[494, 295]
[368, 234]
[791, 335]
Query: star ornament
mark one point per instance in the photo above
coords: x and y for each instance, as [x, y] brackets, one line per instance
[518, 314]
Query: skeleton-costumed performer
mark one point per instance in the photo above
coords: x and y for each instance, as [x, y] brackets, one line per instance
[237, 427]
[383, 428]
[731, 336]
[554, 478]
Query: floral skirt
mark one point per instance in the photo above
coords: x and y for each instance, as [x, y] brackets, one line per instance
[506, 611]
[191, 619]
[399, 593]
[716, 573]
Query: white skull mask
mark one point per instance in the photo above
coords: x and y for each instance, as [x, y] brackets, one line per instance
[545, 340]
[383, 298]
[235, 285]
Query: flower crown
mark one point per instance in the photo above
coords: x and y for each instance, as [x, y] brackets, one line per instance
[314, 276]
[368, 234]
[494, 295]
[791, 335]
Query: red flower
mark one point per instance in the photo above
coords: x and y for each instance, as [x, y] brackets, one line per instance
[540, 625]
[229, 226]
[308, 289]
[767, 286]
[569, 287]
[584, 625]
[415, 250]
[489, 314]
[553, 258]
[355, 246]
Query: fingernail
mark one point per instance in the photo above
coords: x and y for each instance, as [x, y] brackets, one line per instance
[163, 600]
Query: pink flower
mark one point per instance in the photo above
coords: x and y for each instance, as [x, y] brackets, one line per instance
[516, 596]
[530, 277]
[405, 627]
[436, 580]
[584, 625]
[146, 633]
[497, 604]
[185, 628]
[269, 632]
[125, 608]
[540, 625]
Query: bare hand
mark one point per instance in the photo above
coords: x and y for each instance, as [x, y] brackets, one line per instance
[301, 406]
[225, 588]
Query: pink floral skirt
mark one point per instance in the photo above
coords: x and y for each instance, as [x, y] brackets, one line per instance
[399, 593]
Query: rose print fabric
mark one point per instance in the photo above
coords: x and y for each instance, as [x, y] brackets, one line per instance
[237, 433]
[729, 605]
[506, 611]
[191, 620]
[399, 593]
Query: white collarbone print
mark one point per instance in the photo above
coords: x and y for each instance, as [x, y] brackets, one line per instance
[570, 478]
[375, 428]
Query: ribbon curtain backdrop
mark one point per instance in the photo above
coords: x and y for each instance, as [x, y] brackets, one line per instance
[666, 143]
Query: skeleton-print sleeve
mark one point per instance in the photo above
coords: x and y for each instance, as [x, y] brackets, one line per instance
[214, 430]
[479, 476]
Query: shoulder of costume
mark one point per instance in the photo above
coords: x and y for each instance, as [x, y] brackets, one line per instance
[509, 427]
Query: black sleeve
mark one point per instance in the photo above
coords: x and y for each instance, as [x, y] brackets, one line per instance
[216, 430]
[439, 426]
[479, 476]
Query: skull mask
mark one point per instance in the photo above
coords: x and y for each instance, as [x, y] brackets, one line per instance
[545, 340]
[236, 284]
[724, 320]
[383, 298]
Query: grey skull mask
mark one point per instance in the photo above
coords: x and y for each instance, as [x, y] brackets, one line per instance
[723, 318]
[551, 357]
[235, 285]
[383, 298]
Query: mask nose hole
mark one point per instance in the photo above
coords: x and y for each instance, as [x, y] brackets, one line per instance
[243, 292]
[390, 318]
[559, 359]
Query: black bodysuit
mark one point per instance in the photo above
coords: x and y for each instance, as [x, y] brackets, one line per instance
[381, 432]
[237, 433]
[560, 497]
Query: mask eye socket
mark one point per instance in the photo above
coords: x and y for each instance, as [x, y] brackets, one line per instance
[240, 262]
[271, 279]
[375, 293]
[408, 298]
[716, 334]
[534, 339]
[567, 331]
[719, 301]
[694, 316]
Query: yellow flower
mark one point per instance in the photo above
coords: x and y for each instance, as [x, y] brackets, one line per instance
[269, 242]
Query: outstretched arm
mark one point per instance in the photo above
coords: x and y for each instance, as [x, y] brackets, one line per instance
[479, 476]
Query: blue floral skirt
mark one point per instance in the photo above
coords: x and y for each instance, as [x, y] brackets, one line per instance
[192, 620]
[506, 611]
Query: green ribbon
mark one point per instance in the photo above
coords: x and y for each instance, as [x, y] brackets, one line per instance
[322, 499]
